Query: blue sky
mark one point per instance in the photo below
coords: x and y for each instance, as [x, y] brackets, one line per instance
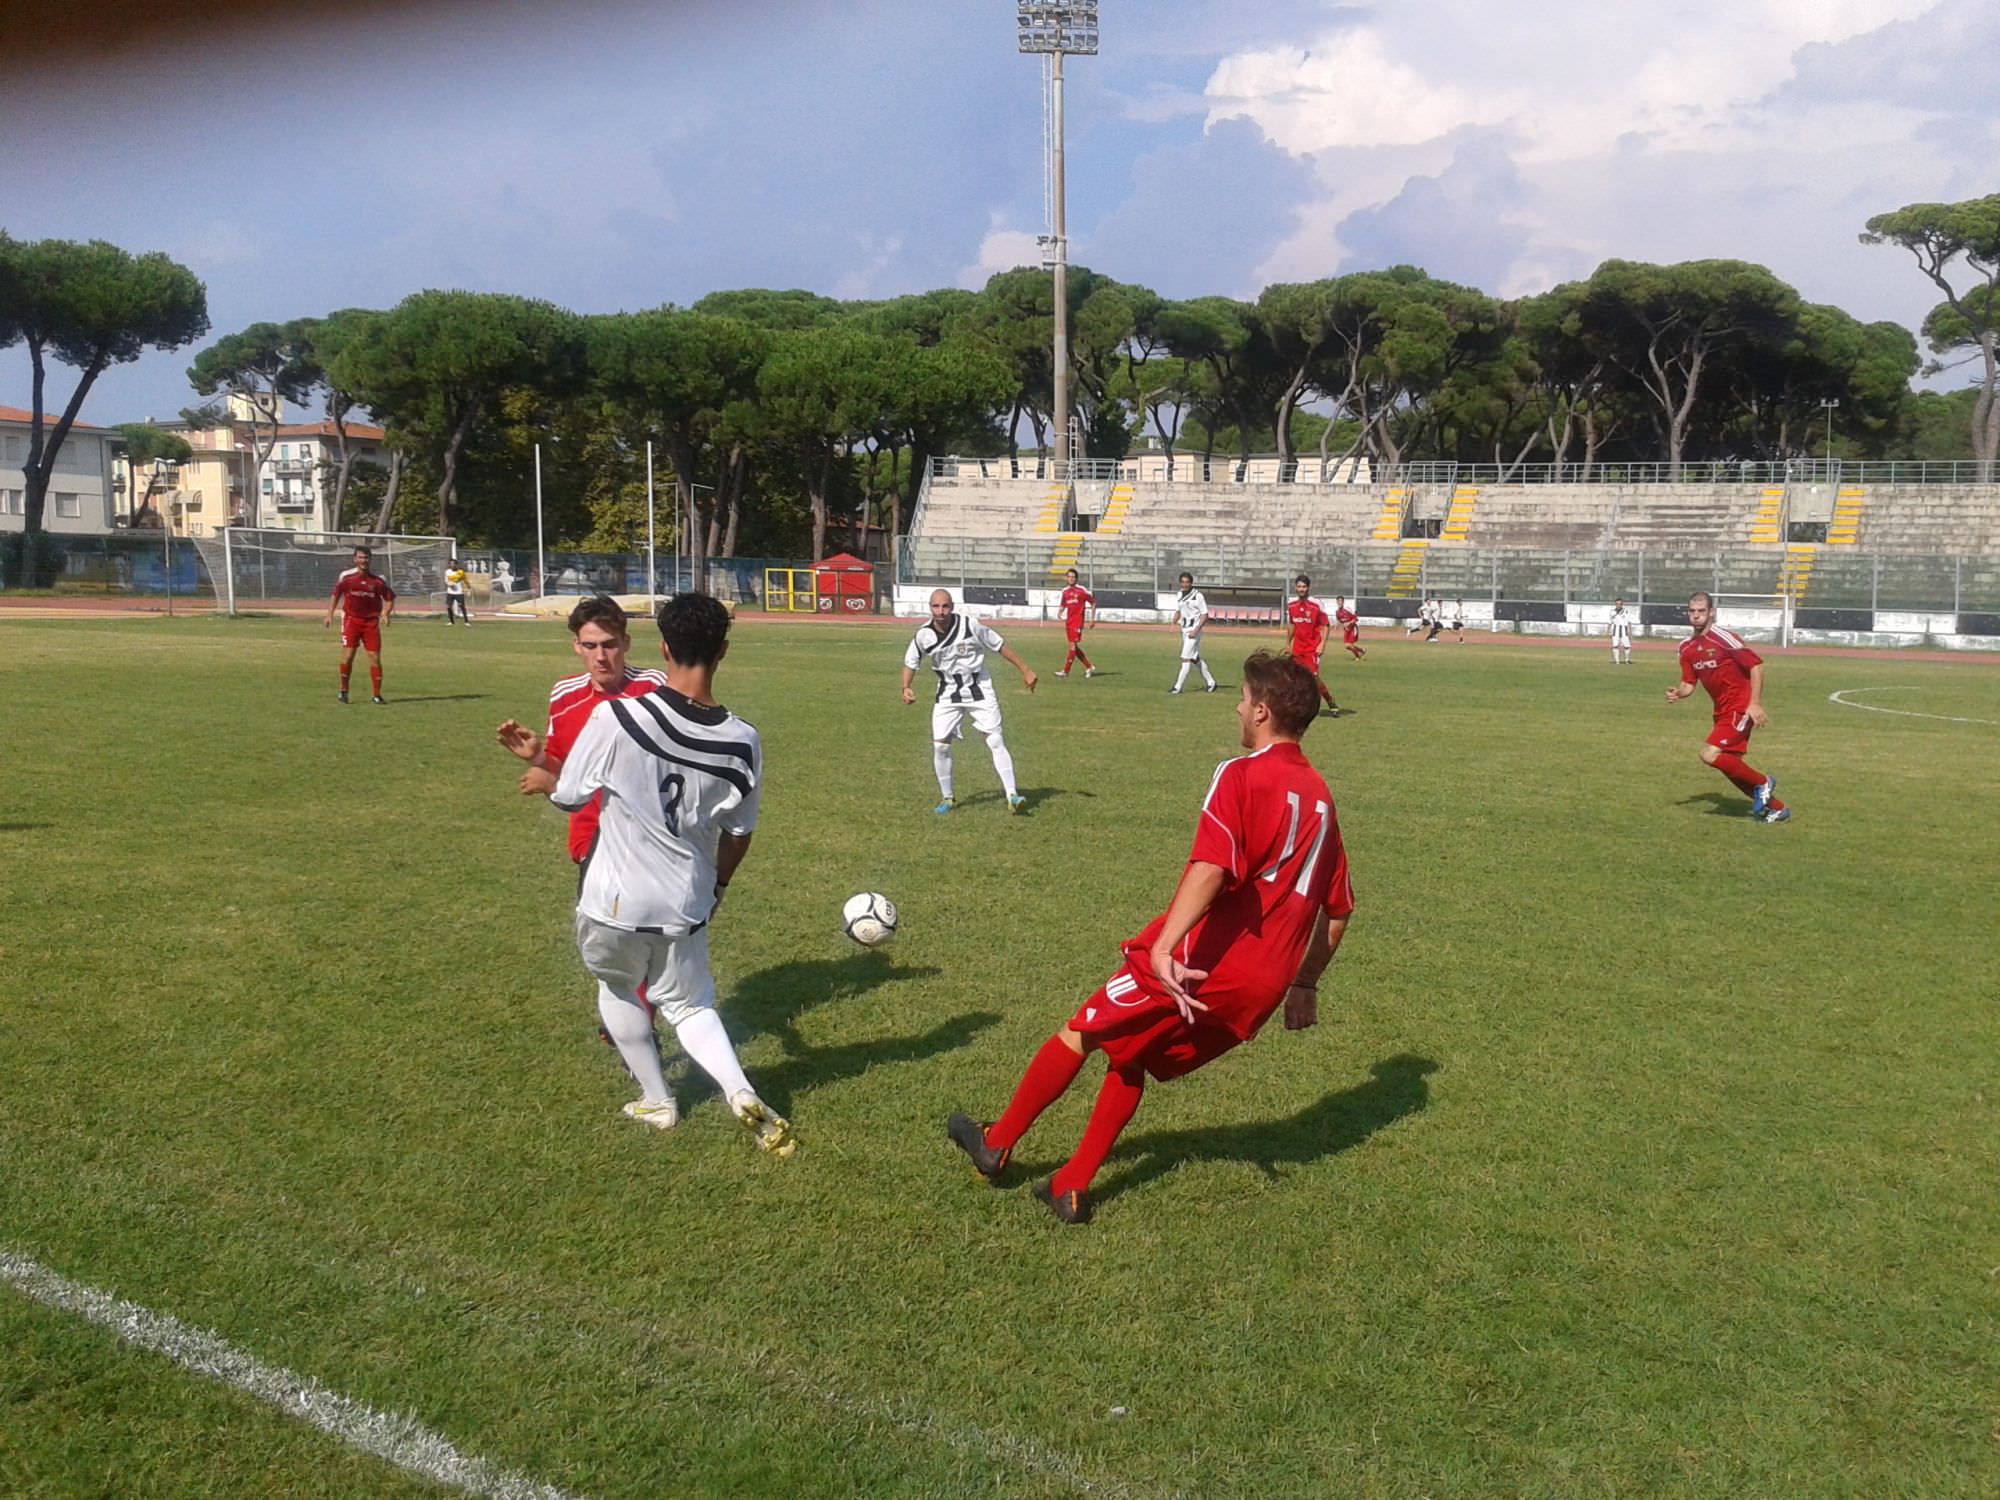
[607, 154]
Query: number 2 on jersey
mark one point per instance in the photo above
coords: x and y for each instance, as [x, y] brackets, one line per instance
[673, 786]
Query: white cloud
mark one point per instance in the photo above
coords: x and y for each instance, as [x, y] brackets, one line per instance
[1533, 146]
[1001, 250]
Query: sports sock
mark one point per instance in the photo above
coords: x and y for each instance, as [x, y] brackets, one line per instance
[630, 1027]
[1206, 675]
[375, 679]
[1003, 762]
[1116, 1103]
[1069, 658]
[1181, 680]
[703, 1038]
[1085, 660]
[1746, 777]
[1325, 692]
[1053, 1070]
[941, 762]
[345, 669]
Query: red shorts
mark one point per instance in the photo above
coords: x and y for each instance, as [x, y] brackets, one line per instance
[1074, 632]
[1130, 1022]
[1350, 634]
[366, 634]
[1307, 659]
[1731, 733]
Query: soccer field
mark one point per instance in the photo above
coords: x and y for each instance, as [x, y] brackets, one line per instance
[1641, 1150]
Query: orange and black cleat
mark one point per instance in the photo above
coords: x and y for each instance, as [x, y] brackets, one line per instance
[970, 1137]
[1069, 1208]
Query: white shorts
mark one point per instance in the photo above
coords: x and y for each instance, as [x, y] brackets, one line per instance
[673, 970]
[1621, 636]
[1191, 647]
[948, 718]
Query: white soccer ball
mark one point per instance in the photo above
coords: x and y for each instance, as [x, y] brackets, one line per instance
[869, 918]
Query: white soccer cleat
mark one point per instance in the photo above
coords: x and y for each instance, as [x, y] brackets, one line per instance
[661, 1114]
[771, 1130]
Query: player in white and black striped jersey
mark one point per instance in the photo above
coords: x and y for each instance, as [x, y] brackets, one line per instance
[680, 778]
[956, 646]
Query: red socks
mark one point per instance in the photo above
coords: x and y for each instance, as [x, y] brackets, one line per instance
[345, 668]
[375, 679]
[1730, 764]
[1053, 1070]
[1116, 1103]
[1076, 654]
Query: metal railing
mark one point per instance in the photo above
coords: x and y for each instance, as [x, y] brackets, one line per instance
[1839, 580]
[1268, 469]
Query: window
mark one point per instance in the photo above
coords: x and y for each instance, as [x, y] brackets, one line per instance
[267, 483]
[13, 448]
[284, 450]
[12, 503]
[69, 506]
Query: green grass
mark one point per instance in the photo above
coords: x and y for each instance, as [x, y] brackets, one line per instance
[1641, 1151]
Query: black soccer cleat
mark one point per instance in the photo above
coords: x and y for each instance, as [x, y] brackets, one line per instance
[343, 695]
[379, 701]
[970, 1137]
[1069, 1208]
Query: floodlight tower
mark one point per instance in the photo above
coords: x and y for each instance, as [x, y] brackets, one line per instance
[1055, 30]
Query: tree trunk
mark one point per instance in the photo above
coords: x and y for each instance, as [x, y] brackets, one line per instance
[1286, 403]
[448, 485]
[346, 450]
[1986, 408]
[42, 451]
[389, 492]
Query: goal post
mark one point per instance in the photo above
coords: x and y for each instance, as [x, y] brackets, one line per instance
[1756, 614]
[253, 569]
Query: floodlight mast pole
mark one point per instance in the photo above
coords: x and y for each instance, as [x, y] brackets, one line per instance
[1060, 450]
[1056, 29]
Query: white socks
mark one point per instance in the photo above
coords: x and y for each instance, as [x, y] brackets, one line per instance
[1003, 762]
[630, 1027]
[1199, 661]
[1181, 681]
[703, 1038]
[941, 763]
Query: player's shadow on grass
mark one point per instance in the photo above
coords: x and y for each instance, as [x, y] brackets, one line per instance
[1034, 796]
[24, 827]
[437, 698]
[1719, 804]
[769, 1002]
[1339, 1122]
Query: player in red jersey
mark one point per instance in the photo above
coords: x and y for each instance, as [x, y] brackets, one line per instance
[1350, 627]
[1309, 628]
[601, 637]
[366, 603]
[1076, 599]
[1258, 913]
[1720, 661]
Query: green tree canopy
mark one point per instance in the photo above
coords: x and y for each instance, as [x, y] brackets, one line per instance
[90, 306]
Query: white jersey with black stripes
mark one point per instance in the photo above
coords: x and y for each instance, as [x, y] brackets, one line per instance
[676, 775]
[957, 653]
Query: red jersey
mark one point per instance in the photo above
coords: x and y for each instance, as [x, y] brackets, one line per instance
[1348, 618]
[570, 703]
[1719, 660]
[362, 595]
[1308, 622]
[1269, 822]
[1075, 600]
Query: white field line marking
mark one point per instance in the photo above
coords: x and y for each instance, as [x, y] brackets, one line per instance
[1843, 700]
[387, 1435]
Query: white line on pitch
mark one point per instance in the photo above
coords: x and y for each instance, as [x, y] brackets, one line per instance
[1902, 713]
[387, 1435]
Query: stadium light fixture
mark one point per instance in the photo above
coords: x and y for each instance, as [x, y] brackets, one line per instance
[1053, 32]
[1829, 405]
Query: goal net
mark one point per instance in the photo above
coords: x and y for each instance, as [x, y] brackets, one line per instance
[1760, 617]
[255, 569]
